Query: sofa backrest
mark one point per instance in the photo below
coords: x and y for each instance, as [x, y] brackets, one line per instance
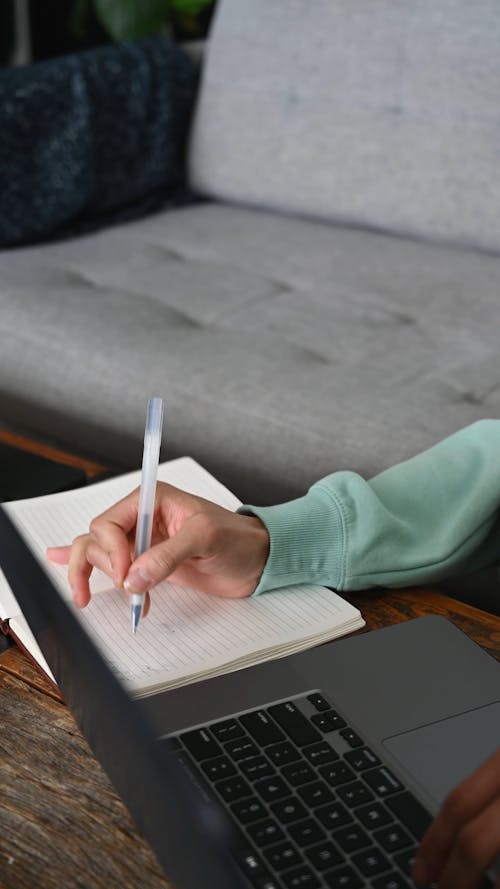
[383, 113]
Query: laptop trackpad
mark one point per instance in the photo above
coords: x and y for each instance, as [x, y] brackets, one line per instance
[440, 755]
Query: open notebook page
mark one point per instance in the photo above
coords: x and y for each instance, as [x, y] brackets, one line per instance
[187, 634]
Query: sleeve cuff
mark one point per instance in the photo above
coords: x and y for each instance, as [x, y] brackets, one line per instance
[307, 541]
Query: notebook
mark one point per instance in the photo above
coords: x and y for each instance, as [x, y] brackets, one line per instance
[187, 635]
[315, 771]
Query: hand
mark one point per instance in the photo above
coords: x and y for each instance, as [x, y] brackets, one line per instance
[194, 542]
[462, 843]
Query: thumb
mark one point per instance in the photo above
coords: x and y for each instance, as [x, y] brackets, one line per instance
[162, 560]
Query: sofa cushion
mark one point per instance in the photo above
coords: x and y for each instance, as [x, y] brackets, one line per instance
[284, 349]
[384, 114]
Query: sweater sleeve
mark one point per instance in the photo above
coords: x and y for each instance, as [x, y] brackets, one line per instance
[431, 517]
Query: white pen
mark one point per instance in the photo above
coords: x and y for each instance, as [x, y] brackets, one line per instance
[150, 458]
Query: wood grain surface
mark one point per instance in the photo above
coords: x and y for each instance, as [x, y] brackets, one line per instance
[61, 822]
[44, 449]
[380, 608]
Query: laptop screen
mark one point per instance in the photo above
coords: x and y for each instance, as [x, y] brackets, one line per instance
[166, 807]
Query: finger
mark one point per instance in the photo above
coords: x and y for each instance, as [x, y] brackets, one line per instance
[58, 554]
[110, 530]
[466, 801]
[99, 558]
[162, 560]
[475, 849]
[79, 571]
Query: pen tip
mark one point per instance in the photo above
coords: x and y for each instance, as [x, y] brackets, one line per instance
[135, 616]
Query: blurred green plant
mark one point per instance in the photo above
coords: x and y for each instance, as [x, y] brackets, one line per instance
[132, 19]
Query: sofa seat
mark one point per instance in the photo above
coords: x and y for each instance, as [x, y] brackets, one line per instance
[284, 348]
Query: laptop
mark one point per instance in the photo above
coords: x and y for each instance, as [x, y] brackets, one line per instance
[321, 769]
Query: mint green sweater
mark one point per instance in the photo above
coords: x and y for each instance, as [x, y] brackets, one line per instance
[433, 516]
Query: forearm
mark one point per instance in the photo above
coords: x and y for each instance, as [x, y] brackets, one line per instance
[418, 522]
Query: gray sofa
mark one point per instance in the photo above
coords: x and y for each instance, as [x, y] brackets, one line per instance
[332, 302]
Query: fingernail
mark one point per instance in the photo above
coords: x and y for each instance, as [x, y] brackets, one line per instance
[419, 872]
[138, 581]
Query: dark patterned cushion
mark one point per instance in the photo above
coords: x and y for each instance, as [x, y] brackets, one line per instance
[92, 137]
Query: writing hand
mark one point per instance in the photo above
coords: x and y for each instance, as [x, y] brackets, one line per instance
[462, 843]
[194, 542]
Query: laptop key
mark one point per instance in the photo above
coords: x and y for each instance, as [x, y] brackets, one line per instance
[354, 794]
[248, 810]
[382, 781]
[371, 862]
[294, 724]
[324, 856]
[352, 738]
[220, 767]
[337, 773]
[410, 812]
[362, 758]
[232, 789]
[343, 878]
[406, 859]
[319, 702]
[271, 788]
[281, 754]
[298, 773]
[333, 815]
[264, 833]
[391, 881]
[301, 878]
[201, 744]
[262, 728]
[257, 767]
[306, 832]
[288, 810]
[282, 856]
[316, 794]
[251, 864]
[320, 754]
[393, 838]
[227, 730]
[351, 838]
[374, 815]
[241, 748]
[330, 721]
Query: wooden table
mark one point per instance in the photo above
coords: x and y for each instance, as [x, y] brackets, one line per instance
[62, 825]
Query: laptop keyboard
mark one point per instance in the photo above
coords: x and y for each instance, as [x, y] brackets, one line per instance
[315, 807]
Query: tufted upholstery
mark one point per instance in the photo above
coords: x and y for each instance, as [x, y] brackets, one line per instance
[284, 348]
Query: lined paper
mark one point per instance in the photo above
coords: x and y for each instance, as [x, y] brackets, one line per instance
[190, 634]
[187, 634]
